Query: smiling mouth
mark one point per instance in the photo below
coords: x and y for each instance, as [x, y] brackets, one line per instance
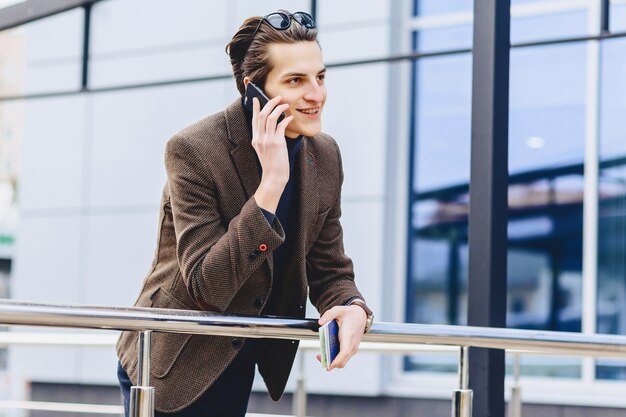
[313, 111]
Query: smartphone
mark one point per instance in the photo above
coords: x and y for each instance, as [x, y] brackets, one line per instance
[254, 91]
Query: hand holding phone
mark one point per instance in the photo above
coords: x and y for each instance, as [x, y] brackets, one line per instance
[253, 91]
[268, 141]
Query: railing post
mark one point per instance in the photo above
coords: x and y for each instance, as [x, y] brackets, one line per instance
[299, 400]
[515, 403]
[142, 395]
[462, 397]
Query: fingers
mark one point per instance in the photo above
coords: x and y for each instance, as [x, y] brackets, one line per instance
[348, 350]
[282, 126]
[264, 123]
[272, 119]
[268, 114]
[349, 345]
[351, 324]
[329, 315]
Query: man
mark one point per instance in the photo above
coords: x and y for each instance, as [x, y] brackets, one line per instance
[249, 222]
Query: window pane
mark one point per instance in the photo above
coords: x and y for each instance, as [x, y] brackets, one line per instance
[611, 317]
[445, 38]
[547, 107]
[618, 16]
[437, 285]
[541, 20]
[438, 7]
[447, 25]
[546, 152]
[545, 196]
[442, 121]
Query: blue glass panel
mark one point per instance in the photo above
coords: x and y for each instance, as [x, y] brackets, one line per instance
[437, 7]
[445, 38]
[611, 302]
[618, 17]
[442, 122]
[549, 26]
[545, 195]
[547, 107]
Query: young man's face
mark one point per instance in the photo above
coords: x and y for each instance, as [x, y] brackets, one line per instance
[298, 77]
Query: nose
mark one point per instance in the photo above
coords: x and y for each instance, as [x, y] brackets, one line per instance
[315, 92]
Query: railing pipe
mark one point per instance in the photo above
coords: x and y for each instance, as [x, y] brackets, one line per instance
[515, 402]
[208, 323]
[142, 395]
[299, 400]
[462, 397]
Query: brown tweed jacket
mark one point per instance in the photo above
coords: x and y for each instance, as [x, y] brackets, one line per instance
[208, 257]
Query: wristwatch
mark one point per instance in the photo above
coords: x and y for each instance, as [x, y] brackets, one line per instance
[370, 315]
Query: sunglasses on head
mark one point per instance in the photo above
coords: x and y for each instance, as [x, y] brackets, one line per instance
[282, 21]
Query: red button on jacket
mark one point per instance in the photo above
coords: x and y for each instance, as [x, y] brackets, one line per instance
[263, 247]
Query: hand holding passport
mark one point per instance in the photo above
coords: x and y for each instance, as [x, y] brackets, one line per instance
[329, 343]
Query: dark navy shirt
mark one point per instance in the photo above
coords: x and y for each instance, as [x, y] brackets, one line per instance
[285, 213]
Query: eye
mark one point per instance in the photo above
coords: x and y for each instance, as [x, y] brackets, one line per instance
[321, 77]
[293, 81]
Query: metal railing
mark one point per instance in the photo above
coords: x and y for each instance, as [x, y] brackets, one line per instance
[146, 320]
[299, 406]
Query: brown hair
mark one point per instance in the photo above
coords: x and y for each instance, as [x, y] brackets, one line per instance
[252, 58]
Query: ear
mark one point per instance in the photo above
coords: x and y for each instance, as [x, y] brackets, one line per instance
[246, 80]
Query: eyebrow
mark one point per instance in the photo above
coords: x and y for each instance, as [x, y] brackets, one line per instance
[301, 74]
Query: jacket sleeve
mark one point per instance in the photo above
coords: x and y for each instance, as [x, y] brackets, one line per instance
[215, 261]
[330, 271]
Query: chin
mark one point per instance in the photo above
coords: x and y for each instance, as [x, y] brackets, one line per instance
[309, 130]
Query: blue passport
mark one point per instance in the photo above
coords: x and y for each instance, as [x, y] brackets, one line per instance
[329, 342]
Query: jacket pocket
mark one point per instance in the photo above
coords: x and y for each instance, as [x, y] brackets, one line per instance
[317, 228]
[166, 347]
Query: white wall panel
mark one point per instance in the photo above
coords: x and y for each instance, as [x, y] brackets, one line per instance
[347, 12]
[47, 78]
[55, 38]
[122, 25]
[354, 44]
[120, 248]
[362, 223]
[170, 64]
[44, 364]
[130, 130]
[52, 151]
[103, 256]
[355, 115]
[361, 376]
[247, 8]
[48, 261]
[97, 365]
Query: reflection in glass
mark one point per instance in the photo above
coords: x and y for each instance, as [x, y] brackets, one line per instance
[545, 197]
[611, 297]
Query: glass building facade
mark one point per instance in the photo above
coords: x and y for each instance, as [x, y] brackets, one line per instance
[558, 110]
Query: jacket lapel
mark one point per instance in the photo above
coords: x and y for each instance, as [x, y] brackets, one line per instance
[308, 201]
[243, 154]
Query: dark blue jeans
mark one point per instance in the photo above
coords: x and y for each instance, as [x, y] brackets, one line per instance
[227, 397]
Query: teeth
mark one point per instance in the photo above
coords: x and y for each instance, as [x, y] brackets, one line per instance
[309, 111]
